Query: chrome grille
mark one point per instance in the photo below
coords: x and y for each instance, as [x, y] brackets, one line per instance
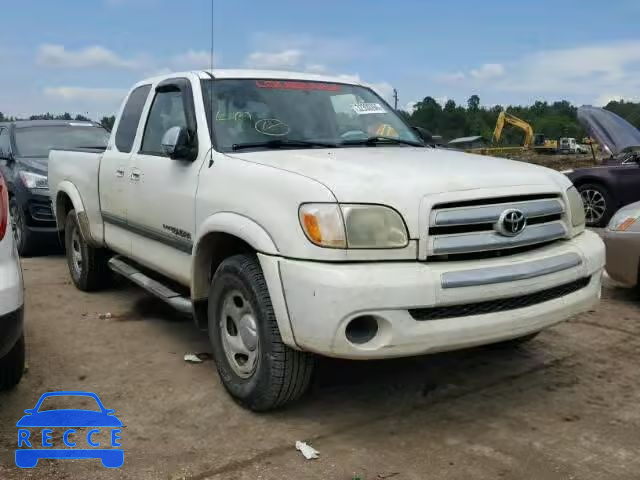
[464, 228]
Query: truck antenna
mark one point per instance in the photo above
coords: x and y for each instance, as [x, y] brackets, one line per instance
[211, 94]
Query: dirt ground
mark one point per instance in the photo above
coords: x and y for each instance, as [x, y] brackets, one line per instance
[566, 406]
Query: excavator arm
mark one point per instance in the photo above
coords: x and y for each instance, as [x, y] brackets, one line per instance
[507, 118]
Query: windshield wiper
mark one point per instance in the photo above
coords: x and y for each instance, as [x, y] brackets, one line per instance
[283, 142]
[378, 140]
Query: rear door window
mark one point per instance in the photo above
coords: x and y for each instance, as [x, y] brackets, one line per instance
[130, 118]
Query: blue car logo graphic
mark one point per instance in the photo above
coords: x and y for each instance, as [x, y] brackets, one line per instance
[35, 433]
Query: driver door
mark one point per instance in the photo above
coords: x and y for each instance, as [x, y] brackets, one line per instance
[163, 191]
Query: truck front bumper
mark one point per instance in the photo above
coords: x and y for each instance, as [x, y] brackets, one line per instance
[315, 301]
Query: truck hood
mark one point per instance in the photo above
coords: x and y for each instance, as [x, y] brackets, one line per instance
[401, 176]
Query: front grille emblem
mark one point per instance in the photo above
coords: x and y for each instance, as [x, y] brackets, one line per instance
[511, 222]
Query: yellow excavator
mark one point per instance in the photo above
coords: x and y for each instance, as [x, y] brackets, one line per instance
[537, 142]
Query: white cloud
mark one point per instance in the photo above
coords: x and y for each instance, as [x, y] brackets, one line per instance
[488, 71]
[277, 60]
[194, 59]
[593, 73]
[94, 56]
[410, 106]
[450, 77]
[86, 94]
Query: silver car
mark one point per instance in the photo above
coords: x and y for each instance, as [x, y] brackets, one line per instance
[622, 238]
[12, 348]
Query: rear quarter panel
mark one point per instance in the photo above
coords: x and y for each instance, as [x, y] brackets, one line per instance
[75, 173]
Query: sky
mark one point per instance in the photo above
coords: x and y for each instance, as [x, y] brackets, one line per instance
[82, 56]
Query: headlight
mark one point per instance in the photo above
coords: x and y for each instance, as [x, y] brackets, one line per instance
[353, 226]
[623, 220]
[576, 207]
[34, 181]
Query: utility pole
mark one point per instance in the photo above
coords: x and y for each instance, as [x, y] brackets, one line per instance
[395, 99]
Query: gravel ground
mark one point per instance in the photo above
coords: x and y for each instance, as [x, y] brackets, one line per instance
[566, 406]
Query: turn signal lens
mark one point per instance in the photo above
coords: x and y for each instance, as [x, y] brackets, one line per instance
[4, 207]
[322, 224]
[626, 224]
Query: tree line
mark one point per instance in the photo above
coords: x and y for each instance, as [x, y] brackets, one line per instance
[555, 120]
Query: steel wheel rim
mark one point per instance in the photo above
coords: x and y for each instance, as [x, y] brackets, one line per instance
[16, 224]
[76, 253]
[239, 334]
[595, 205]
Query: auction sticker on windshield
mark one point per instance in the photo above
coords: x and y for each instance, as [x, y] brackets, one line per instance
[366, 108]
[52, 430]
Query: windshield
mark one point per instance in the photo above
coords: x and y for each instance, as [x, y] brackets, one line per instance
[37, 141]
[256, 112]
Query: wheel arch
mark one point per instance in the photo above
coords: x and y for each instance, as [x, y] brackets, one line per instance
[221, 236]
[67, 199]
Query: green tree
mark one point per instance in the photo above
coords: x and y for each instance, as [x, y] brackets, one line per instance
[107, 122]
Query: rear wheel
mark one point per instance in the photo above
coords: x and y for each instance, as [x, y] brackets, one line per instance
[12, 366]
[599, 205]
[255, 366]
[87, 265]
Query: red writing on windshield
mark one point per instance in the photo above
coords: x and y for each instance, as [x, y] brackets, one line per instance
[296, 85]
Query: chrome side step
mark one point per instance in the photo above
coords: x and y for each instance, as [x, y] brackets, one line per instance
[119, 265]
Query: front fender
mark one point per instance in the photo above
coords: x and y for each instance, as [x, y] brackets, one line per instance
[258, 238]
[239, 226]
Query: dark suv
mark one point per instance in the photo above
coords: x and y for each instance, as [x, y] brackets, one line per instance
[24, 154]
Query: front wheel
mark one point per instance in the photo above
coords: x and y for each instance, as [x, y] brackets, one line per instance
[87, 265]
[255, 366]
[599, 205]
[25, 240]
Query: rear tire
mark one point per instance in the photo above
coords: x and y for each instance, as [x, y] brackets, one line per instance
[599, 204]
[87, 265]
[255, 366]
[25, 239]
[12, 366]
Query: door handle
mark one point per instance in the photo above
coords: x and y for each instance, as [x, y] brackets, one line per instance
[120, 172]
[135, 175]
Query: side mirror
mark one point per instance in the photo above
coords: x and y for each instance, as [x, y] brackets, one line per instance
[177, 144]
[424, 134]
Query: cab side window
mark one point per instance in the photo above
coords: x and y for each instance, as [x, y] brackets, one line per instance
[5, 143]
[130, 118]
[167, 111]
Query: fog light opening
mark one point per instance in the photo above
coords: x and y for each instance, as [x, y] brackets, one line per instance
[362, 329]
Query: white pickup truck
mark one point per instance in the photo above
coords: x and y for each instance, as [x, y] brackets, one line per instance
[296, 214]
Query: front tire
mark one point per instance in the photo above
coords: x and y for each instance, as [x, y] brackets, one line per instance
[12, 366]
[255, 366]
[599, 204]
[25, 240]
[87, 265]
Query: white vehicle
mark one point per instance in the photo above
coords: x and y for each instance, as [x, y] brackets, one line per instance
[12, 350]
[570, 145]
[297, 214]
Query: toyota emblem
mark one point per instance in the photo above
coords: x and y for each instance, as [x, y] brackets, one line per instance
[511, 222]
